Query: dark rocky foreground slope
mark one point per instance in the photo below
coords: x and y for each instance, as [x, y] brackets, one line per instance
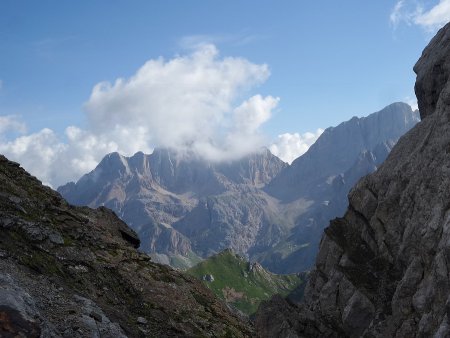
[74, 272]
[383, 269]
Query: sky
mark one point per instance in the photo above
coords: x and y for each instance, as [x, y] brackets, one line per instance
[80, 79]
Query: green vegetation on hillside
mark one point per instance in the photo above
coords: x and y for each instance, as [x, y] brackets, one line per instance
[240, 283]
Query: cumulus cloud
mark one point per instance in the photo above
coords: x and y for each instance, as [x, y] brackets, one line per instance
[436, 17]
[290, 146]
[53, 160]
[192, 102]
[421, 13]
[251, 114]
[36, 152]
[178, 103]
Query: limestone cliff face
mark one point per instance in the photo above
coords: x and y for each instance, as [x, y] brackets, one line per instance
[383, 269]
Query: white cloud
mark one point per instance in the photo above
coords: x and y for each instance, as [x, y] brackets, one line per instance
[11, 124]
[420, 13]
[290, 146]
[36, 152]
[397, 14]
[412, 101]
[436, 17]
[191, 102]
[181, 103]
[251, 114]
[53, 161]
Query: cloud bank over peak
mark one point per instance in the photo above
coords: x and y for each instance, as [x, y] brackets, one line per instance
[185, 102]
[290, 146]
[414, 12]
[191, 102]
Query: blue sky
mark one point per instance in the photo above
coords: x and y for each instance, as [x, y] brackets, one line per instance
[326, 62]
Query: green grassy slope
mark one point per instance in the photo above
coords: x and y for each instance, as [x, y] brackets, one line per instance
[240, 283]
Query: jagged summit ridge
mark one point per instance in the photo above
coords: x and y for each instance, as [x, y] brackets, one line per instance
[154, 193]
[338, 147]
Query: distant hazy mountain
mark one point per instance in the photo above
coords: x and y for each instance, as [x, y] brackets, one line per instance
[337, 149]
[316, 185]
[184, 208]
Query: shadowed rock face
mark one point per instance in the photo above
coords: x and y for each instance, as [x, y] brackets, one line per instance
[70, 271]
[433, 69]
[13, 324]
[383, 269]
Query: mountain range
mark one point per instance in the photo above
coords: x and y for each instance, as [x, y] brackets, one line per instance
[382, 269]
[185, 208]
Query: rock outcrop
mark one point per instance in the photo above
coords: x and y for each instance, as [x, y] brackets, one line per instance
[383, 269]
[70, 271]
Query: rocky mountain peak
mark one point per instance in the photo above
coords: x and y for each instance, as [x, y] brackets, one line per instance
[154, 193]
[112, 164]
[256, 169]
[338, 148]
[433, 69]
